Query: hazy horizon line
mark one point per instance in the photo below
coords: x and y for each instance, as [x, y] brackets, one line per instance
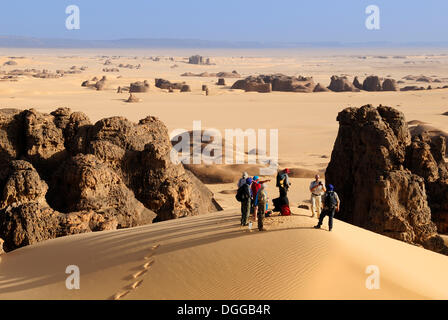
[13, 41]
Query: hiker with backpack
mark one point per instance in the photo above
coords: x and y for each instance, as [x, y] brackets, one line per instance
[261, 200]
[283, 182]
[331, 205]
[255, 187]
[243, 195]
[243, 179]
[317, 189]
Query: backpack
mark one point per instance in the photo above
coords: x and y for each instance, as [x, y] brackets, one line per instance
[331, 201]
[281, 180]
[241, 195]
[285, 210]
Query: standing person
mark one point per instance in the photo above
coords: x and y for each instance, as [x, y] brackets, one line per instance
[283, 182]
[243, 179]
[260, 202]
[317, 189]
[256, 185]
[245, 201]
[331, 205]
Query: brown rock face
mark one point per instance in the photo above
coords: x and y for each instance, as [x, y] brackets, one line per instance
[368, 171]
[89, 184]
[114, 174]
[425, 157]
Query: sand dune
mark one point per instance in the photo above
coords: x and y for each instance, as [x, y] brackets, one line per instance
[212, 257]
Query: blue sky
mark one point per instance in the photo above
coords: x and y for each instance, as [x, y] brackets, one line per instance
[234, 20]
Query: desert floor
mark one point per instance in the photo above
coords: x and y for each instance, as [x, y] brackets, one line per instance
[210, 256]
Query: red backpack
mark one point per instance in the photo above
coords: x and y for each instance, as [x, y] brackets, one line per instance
[285, 211]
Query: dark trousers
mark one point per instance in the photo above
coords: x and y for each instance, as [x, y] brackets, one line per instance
[261, 214]
[245, 211]
[283, 192]
[330, 214]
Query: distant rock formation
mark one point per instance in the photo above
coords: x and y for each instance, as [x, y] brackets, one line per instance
[277, 82]
[185, 88]
[61, 175]
[10, 63]
[341, 84]
[390, 85]
[379, 189]
[197, 59]
[232, 74]
[139, 86]
[320, 88]
[165, 84]
[221, 82]
[357, 84]
[372, 83]
[132, 99]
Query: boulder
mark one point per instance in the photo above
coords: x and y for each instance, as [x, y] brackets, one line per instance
[390, 85]
[372, 83]
[185, 88]
[412, 88]
[357, 84]
[139, 86]
[165, 84]
[320, 88]
[377, 191]
[341, 84]
[221, 82]
[133, 99]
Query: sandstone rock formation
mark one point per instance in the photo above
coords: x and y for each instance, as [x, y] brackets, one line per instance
[139, 86]
[133, 99]
[320, 88]
[357, 84]
[165, 84]
[341, 84]
[185, 88]
[372, 83]
[368, 169]
[277, 82]
[61, 175]
[197, 59]
[221, 82]
[390, 85]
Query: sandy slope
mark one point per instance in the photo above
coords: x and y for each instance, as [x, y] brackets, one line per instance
[212, 257]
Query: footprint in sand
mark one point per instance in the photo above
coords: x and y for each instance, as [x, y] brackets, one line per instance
[144, 269]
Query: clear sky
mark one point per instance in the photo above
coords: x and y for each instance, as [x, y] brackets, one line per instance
[230, 20]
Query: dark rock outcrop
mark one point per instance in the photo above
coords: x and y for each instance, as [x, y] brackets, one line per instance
[75, 177]
[275, 82]
[341, 84]
[377, 191]
[372, 83]
[390, 85]
[139, 86]
[165, 84]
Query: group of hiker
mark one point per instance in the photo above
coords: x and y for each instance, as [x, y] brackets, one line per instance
[252, 193]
